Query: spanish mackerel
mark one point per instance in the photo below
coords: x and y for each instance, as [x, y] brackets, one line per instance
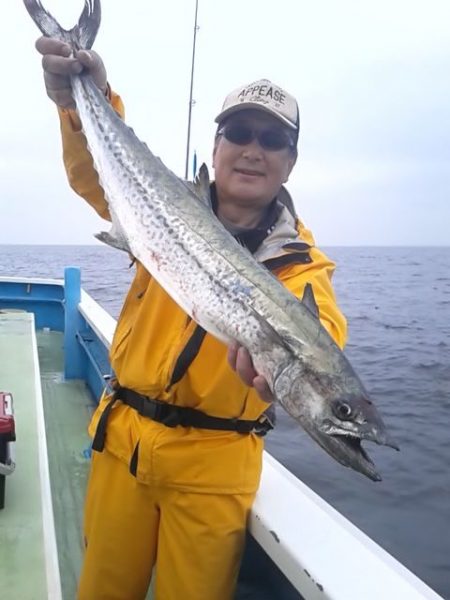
[169, 226]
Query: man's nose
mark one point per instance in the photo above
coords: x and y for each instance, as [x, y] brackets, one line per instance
[253, 150]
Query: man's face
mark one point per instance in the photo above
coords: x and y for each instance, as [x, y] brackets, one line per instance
[250, 174]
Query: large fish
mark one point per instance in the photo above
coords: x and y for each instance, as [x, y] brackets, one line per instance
[169, 226]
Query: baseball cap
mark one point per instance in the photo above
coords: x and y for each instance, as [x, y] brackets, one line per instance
[263, 95]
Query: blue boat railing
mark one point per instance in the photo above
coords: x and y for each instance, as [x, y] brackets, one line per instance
[45, 298]
[56, 306]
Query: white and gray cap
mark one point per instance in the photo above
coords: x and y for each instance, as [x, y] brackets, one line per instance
[263, 95]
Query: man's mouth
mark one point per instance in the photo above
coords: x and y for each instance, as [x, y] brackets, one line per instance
[250, 172]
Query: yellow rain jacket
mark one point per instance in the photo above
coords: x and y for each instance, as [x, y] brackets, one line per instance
[154, 337]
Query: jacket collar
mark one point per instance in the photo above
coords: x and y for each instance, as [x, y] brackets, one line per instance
[278, 232]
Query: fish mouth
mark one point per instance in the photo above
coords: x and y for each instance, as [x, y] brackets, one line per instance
[353, 454]
[345, 446]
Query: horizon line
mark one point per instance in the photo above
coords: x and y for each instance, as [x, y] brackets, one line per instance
[322, 245]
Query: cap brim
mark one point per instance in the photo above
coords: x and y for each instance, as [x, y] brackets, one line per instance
[257, 106]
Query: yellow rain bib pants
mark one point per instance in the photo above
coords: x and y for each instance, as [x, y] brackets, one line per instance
[131, 524]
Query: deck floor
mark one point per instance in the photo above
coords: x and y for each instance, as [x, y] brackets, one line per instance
[22, 545]
[67, 406]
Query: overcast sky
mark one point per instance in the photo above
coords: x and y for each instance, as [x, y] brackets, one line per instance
[372, 80]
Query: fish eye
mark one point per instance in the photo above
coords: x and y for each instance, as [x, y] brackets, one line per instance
[342, 410]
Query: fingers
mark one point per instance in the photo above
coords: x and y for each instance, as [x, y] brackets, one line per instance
[93, 63]
[59, 63]
[232, 354]
[241, 362]
[57, 71]
[45, 45]
[88, 58]
[262, 387]
[244, 366]
[59, 93]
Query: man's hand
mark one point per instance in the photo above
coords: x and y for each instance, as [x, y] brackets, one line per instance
[58, 64]
[241, 362]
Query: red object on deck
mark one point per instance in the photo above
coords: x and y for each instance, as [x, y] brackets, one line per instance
[7, 425]
[7, 435]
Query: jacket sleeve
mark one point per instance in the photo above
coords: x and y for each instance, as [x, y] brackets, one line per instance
[78, 162]
[319, 274]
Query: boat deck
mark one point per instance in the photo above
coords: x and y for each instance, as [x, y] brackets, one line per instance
[28, 557]
[67, 406]
[28, 552]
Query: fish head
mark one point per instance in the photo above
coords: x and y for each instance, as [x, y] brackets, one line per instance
[337, 413]
[345, 423]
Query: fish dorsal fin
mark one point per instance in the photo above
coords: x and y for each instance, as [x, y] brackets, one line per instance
[309, 300]
[201, 185]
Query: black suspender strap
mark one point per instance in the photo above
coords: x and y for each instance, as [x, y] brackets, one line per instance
[98, 442]
[187, 355]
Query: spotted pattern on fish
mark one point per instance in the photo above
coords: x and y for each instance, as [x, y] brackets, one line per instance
[172, 231]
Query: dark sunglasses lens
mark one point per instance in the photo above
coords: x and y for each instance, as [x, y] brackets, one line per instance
[269, 139]
[273, 140]
[238, 134]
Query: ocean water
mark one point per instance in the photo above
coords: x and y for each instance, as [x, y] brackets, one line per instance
[397, 302]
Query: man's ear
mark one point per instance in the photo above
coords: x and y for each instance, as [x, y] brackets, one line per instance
[290, 165]
[216, 142]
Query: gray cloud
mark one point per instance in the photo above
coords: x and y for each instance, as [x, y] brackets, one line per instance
[371, 81]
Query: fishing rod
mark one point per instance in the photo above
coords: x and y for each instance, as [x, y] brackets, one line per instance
[191, 101]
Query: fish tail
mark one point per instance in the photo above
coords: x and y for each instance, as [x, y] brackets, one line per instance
[81, 36]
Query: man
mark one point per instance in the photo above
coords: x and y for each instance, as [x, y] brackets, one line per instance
[178, 497]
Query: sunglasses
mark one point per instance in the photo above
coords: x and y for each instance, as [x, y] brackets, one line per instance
[269, 139]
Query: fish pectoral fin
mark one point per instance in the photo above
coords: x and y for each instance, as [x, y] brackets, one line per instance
[201, 185]
[111, 238]
[269, 330]
[279, 335]
[309, 300]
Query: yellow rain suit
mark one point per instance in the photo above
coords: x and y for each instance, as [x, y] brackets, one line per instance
[187, 503]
